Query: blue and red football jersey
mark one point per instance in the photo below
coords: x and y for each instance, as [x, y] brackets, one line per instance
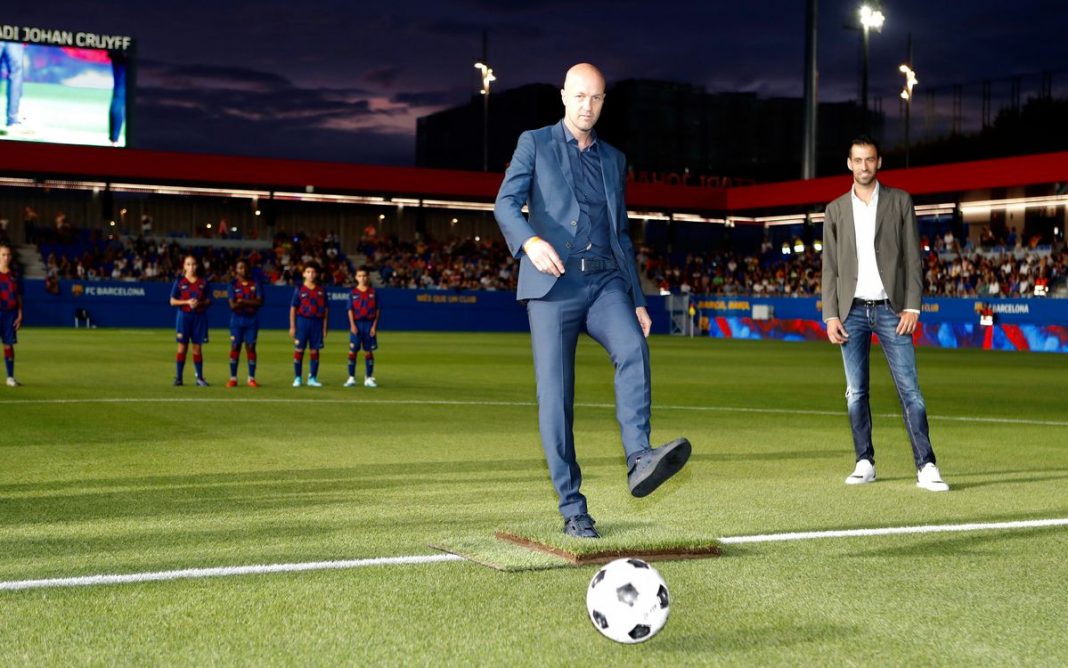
[9, 291]
[245, 290]
[185, 289]
[363, 304]
[309, 302]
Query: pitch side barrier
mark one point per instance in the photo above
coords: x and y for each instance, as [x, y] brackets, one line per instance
[1015, 324]
[147, 304]
[1038, 324]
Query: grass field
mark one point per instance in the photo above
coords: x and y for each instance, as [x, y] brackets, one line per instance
[107, 469]
[64, 114]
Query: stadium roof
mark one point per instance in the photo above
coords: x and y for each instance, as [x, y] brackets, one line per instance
[48, 162]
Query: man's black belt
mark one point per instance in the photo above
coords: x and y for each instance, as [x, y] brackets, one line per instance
[589, 265]
[871, 302]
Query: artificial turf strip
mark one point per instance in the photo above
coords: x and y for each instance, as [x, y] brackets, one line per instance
[603, 556]
[500, 555]
[625, 536]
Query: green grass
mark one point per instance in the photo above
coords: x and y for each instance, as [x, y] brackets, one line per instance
[64, 114]
[447, 449]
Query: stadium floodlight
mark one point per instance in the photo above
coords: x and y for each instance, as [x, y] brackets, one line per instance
[871, 19]
[487, 79]
[910, 81]
[906, 95]
[487, 76]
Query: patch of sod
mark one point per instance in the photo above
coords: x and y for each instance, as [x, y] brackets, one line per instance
[649, 541]
[500, 555]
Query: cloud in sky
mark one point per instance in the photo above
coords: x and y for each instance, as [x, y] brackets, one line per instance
[349, 72]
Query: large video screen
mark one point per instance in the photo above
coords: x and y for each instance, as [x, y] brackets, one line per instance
[68, 91]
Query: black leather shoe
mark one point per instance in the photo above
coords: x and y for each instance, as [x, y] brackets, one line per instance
[581, 526]
[652, 468]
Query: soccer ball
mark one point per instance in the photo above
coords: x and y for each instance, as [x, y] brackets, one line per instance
[628, 601]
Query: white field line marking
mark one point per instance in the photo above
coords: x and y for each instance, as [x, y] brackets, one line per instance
[224, 571]
[892, 531]
[513, 404]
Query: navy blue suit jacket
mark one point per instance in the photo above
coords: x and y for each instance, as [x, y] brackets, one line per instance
[539, 177]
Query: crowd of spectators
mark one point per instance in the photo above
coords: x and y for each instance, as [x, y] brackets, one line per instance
[459, 264]
[768, 273]
[91, 255]
[993, 274]
[475, 264]
[465, 264]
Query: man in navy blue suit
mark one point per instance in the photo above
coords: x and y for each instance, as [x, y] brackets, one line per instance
[577, 271]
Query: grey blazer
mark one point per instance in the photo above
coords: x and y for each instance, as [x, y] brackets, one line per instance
[897, 252]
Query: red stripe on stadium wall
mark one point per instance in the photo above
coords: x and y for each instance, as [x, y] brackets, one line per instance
[956, 177]
[57, 161]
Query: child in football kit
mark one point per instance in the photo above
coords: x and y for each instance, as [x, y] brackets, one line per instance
[364, 310]
[192, 296]
[307, 324]
[246, 297]
[10, 311]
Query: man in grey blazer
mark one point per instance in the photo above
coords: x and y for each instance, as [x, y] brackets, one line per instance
[577, 272]
[873, 283]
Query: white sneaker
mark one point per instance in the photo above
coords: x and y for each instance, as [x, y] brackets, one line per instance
[370, 382]
[930, 478]
[11, 382]
[314, 382]
[862, 474]
[296, 382]
[351, 382]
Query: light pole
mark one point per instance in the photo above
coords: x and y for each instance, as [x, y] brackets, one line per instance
[487, 78]
[906, 95]
[808, 141]
[870, 19]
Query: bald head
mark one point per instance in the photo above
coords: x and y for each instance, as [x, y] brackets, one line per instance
[582, 74]
[583, 97]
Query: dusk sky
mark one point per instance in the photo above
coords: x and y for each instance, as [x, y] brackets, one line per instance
[345, 81]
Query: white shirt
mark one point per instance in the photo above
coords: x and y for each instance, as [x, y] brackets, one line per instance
[869, 284]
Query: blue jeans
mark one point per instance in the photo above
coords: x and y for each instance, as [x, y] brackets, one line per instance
[901, 357]
[11, 53]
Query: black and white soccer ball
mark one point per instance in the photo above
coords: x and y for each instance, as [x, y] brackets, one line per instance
[628, 601]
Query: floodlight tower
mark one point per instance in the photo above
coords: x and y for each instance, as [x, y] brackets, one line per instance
[906, 95]
[870, 19]
[487, 79]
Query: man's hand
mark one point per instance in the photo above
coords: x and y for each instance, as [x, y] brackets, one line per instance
[193, 303]
[18, 321]
[644, 321]
[293, 333]
[544, 256]
[907, 324]
[374, 330]
[836, 332]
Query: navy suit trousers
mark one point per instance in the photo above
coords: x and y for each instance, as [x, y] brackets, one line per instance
[601, 305]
